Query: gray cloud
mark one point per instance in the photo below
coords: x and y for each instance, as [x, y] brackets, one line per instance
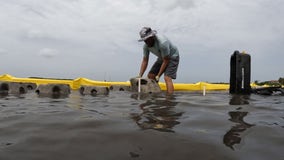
[169, 5]
[100, 36]
[3, 51]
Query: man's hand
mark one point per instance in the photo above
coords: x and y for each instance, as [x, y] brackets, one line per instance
[157, 78]
[138, 76]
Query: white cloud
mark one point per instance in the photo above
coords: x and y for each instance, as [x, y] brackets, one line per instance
[48, 52]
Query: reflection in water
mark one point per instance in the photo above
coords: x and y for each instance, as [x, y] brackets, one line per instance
[239, 100]
[158, 115]
[3, 94]
[233, 136]
[54, 96]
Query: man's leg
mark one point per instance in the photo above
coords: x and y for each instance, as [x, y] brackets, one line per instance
[170, 74]
[155, 69]
[169, 84]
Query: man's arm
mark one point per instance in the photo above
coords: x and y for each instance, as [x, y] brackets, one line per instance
[165, 63]
[144, 65]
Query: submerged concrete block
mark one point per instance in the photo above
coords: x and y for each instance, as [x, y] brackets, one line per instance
[146, 85]
[4, 88]
[16, 87]
[30, 86]
[53, 90]
[120, 88]
[94, 90]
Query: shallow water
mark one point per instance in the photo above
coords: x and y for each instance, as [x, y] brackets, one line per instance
[125, 125]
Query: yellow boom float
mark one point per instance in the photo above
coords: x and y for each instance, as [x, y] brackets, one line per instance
[76, 83]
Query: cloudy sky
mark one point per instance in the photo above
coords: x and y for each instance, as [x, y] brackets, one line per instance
[97, 39]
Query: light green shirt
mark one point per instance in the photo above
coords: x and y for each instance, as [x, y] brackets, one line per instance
[162, 48]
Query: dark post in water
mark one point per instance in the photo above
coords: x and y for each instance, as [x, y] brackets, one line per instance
[240, 73]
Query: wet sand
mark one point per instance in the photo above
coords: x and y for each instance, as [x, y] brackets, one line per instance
[124, 125]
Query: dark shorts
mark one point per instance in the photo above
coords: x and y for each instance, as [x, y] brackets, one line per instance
[171, 69]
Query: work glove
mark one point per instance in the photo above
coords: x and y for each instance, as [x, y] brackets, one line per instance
[138, 76]
[157, 78]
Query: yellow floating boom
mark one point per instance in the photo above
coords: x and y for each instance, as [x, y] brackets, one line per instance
[76, 83]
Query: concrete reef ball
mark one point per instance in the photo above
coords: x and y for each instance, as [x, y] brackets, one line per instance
[16, 87]
[94, 90]
[119, 88]
[53, 89]
[146, 85]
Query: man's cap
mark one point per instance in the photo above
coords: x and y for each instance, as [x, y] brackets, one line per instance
[145, 33]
